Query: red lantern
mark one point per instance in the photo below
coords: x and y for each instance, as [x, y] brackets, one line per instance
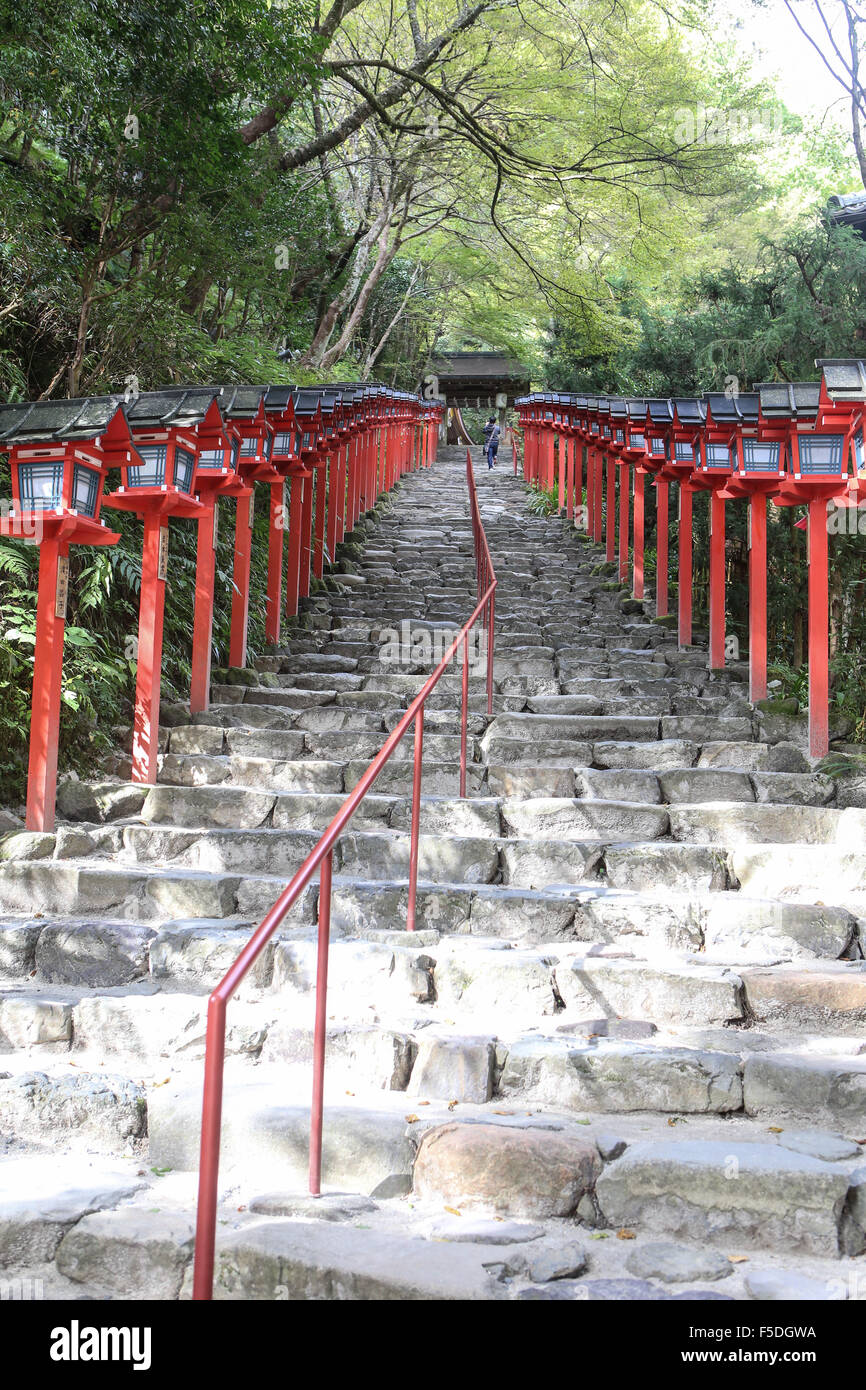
[59, 452]
[158, 481]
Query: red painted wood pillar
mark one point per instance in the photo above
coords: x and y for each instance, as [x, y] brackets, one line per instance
[363, 472]
[590, 490]
[757, 597]
[202, 622]
[145, 729]
[637, 555]
[819, 629]
[47, 684]
[321, 472]
[624, 481]
[599, 496]
[570, 446]
[562, 448]
[306, 535]
[373, 475]
[334, 482]
[354, 485]
[610, 509]
[241, 590]
[274, 597]
[662, 524]
[293, 567]
[342, 479]
[578, 482]
[684, 588]
[717, 581]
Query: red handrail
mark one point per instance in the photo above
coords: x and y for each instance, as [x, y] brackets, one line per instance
[321, 858]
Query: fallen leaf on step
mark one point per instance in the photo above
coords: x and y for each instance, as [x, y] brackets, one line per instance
[625, 1235]
[157, 1084]
[454, 1211]
[452, 1104]
[677, 1120]
[350, 1093]
[599, 1235]
[775, 1129]
[503, 1112]
[411, 1119]
[423, 1102]
[738, 1259]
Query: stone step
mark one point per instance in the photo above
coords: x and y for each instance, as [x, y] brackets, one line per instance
[316, 775]
[765, 823]
[753, 1195]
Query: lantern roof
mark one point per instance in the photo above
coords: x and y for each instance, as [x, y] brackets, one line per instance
[241, 402]
[618, 407]
[636, 408]
[171, 406]
[34, 421]
[660, 410]
[844, 377]
[741, 409]
[688, 411]
[279, 398]
[789, 399]
[307, 401]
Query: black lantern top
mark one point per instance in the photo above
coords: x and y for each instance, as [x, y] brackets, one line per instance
[59, 452]
[818, 440]
[843, 378]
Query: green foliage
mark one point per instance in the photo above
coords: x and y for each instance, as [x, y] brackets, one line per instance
[542, 501]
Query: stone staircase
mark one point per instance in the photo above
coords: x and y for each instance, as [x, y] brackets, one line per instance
[623, 1056]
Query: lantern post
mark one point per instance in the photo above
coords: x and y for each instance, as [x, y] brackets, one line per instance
[536, 410]
[325, 468]
[558, 433]
[158, 479]
[824, 439]
[195, 410]
[577, 420]
[723, 419]
[572, 476]
[607, 478]
[244, 412]
[593, 467]
[548, 438]
[622, 468]
[533, 441]
[311, 432]
[759, 470]
[634, 452]
[59, 452]
[659, 427]
[688, 419]
[286, 460]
